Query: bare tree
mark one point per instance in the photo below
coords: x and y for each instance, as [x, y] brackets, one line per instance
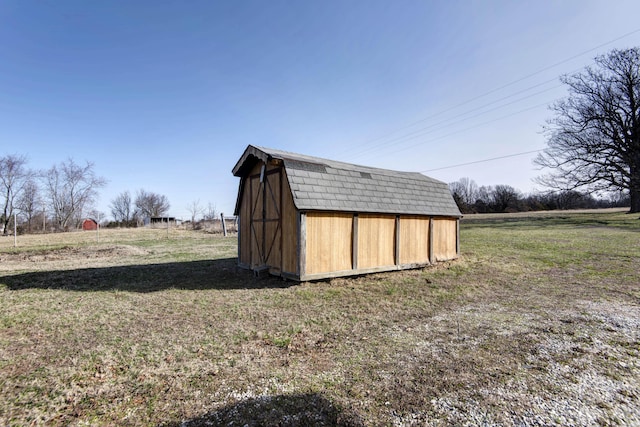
[195, 209]
[210, 212]
[71, 189]
[485, 193]
[29, 202]
[465, 193]
[13, 177]
[121, 208]
[505, 198]
[97, 215]
[594, 139]
[151, 204]
[484, 198]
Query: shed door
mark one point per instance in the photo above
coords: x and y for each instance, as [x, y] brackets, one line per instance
[266, 207]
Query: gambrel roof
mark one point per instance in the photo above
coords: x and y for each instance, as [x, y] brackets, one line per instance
[328, 185]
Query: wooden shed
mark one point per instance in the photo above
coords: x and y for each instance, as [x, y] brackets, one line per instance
[307, 218]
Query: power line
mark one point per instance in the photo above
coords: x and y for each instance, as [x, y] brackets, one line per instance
[564, 61]
[544, 104]
[434, 127]
[457, 117]
[482, 161]
[385, 142]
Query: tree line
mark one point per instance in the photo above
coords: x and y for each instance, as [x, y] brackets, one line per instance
[472, 198]
[61, 194]
[128, 212]
[61, 197]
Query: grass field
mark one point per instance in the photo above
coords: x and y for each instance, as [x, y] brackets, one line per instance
[538, 323]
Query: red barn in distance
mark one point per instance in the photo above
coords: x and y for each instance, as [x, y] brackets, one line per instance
[89, 224]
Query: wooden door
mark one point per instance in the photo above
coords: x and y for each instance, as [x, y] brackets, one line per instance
[266, 218]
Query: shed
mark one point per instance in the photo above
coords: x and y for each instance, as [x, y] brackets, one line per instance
[89, 224]
[155, 220]
[308, 218]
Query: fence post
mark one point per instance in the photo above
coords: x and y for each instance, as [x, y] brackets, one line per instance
[224, 226]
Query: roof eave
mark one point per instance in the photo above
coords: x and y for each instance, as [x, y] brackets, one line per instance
[248, 159]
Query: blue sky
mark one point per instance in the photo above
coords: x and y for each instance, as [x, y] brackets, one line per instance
[166, 95]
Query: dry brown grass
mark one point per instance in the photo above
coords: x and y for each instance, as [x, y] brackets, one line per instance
[537, 324]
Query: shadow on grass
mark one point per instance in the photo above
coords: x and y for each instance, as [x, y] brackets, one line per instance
[310, 409]
[209, 274]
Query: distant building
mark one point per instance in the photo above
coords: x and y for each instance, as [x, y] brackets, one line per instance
[89, 224]
[158, 220]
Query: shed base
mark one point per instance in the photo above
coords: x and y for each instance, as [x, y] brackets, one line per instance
[263, 271]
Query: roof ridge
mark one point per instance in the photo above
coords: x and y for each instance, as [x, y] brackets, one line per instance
[335, 163]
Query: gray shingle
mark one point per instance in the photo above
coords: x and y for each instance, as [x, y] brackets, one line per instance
[323, 184]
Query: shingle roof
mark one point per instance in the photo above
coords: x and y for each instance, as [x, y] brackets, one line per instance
[323, 184]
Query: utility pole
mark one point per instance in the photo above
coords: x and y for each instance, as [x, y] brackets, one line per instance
[224, 226]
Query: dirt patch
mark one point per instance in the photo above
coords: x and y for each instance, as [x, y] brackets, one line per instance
[73, 253]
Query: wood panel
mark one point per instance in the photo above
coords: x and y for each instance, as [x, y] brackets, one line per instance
[272, 246]
[376, 240]
[445, 238]
[289, 229]
[328, 242]
[244, 231]
[414, 240]
[255, 206]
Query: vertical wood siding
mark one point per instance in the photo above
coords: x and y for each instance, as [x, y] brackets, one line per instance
[328, 242]
[334, 241]
[414, 240]
[247, 239]
[376, 240]
[255, 209]
[262, 239]
[272, 246]
[444, 238]
[289, 229]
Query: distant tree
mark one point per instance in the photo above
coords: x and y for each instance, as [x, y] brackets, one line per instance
[505, 198]
[14, 175]
[195, 209]
[465, 193]
[121, 208]
[572, 199]
[210, 212]
[618, 199]
[534, 202]
[594, 138]
[149, 204]
[97, 215]
[29, 203]
[71, 189]
[484, 199]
